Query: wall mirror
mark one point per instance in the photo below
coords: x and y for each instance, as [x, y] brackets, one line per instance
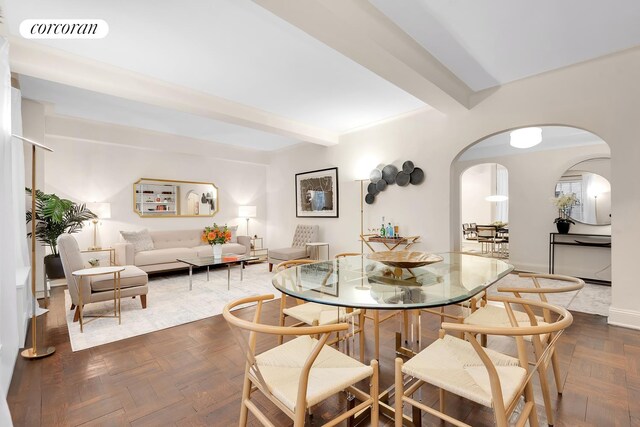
[589, 181]
[155, 198]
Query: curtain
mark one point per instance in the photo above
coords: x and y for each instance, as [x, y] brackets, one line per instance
[587, 199]
[502, 188]
[9, 229]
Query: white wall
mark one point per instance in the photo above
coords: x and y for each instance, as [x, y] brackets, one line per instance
[601, 96]
[476, 184]
[85, 171]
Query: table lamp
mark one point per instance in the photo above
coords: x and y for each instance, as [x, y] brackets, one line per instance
[102, 211]
[247, 212]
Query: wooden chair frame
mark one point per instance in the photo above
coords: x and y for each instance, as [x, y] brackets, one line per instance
[501, 412]
[575, 284]
[253, 379]
[283, 304]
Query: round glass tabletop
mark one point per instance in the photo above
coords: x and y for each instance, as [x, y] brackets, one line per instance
[359, 282]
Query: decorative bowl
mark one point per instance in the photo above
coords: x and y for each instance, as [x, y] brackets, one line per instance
[405, 259]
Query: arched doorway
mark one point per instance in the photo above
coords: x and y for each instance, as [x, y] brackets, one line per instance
[536, 174]
[484, 210]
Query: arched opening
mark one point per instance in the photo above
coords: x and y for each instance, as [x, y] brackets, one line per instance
[567, 160]
[484, 210]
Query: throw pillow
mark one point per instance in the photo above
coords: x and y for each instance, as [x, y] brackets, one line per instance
[234, 233]
[141, 240]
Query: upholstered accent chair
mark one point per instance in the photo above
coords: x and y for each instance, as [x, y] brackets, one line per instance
[133, 281]
[298, 250]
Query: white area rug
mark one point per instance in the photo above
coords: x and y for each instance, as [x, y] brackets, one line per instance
[169, 303]
[592, 299]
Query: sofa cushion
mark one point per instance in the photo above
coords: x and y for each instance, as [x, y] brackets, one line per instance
[286, 254]
[227, 248]
[130, 277]
[141, 240]
[166, 239]
[160, 256]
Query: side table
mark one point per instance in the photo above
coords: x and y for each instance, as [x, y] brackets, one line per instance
[258, 250]
[316, 249]
[97, 271]
[112, 253]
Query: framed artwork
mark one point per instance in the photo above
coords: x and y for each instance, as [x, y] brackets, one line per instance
[317, 194]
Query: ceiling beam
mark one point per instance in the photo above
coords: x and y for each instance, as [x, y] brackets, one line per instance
[37, 60]
[361, 32]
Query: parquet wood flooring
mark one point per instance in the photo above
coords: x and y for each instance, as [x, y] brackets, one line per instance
[191, 375]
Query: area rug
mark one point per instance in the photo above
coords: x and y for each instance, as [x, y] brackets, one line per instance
[170, 303]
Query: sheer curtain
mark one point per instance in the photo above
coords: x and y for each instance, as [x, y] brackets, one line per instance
[502, 188]
[9, 259]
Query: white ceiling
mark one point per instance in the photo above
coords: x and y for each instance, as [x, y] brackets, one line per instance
[233, 49]
[553, 138]
[237, 50]
[492, 42]
[71, 101]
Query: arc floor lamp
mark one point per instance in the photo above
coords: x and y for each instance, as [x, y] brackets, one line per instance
[34, 352]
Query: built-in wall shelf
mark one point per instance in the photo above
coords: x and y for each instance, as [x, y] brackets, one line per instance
[598, 241]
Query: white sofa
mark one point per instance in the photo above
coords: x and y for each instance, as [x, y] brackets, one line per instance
[173, 244]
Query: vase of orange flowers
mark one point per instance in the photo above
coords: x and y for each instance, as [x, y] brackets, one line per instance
[216, 236]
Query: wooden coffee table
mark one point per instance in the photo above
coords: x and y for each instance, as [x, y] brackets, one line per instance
[208, 261]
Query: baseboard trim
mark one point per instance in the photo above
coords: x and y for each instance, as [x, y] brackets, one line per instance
[625, 318]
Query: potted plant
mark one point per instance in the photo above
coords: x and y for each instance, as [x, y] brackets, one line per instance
[56, 216]
[564, 203]
[216, 236]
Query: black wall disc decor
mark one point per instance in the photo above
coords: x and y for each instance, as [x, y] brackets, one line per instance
[389, 175]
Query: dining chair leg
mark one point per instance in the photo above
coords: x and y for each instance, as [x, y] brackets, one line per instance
[443, 394]
[555, 364]
[376, 332]
[528, 397]
[374, 392]
[405, 326]
[361, 321]
[283, 305]
[246, 394]
[399, 392]
[544, 385]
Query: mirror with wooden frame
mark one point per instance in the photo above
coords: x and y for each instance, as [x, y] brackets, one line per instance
[161, 198]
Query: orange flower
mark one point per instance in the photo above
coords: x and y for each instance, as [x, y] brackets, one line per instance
[204, 237]
[211, 235]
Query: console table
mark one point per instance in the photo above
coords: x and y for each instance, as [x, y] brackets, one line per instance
[577, 239]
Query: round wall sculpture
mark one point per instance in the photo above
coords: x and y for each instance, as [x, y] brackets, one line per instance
[381, 178]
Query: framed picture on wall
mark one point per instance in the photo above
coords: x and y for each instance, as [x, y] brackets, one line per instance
[317, 194]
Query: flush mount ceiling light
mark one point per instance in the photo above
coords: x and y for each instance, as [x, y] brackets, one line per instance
[525, 137]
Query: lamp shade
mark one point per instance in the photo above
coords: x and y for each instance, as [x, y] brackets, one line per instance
[525, 137]
[247, 211]
[102, 210]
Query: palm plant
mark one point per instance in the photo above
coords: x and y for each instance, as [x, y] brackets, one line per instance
[56, 216]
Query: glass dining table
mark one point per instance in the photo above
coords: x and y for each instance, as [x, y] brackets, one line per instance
[359, 282]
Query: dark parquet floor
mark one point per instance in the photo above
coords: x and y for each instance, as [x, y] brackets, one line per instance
[191, 375]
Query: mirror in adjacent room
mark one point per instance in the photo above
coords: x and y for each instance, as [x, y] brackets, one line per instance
[155, 198]
[588, 180]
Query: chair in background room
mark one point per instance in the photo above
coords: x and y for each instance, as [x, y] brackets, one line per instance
[298, 250]
[487, 377]
[488, 238]
[469, 232]
[299, 373]
[133, 281]
[497, 316]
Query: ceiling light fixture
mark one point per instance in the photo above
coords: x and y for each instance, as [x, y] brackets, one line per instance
[525, 137]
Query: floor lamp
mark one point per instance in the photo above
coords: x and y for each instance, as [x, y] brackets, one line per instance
[34, 352]
[362, 214]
